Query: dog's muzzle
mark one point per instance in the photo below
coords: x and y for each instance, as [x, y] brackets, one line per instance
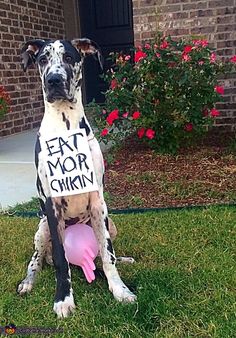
[55, 88]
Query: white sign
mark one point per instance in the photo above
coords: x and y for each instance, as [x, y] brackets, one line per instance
[69, 163]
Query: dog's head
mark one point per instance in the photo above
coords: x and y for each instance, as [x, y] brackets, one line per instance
[60, 64]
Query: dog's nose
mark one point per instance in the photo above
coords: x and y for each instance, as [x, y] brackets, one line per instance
[53, 80]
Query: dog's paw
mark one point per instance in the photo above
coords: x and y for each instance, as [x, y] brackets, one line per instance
[126, 260]
[65, 307]
[24, 287]
[122, 293]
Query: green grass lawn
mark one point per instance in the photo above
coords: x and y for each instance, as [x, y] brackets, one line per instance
[184, 277]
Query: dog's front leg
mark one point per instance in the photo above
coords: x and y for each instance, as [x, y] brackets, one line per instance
[41, 241]
[64, 300]
[99, 220]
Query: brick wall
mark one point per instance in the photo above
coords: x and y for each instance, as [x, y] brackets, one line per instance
[214, 20]
[21, 20]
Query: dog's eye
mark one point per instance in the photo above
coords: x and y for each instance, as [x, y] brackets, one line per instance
[43, 61]
[68, 59]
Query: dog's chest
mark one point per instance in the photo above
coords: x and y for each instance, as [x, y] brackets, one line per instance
[76, 208]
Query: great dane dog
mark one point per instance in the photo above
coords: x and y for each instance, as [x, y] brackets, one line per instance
[60, 67]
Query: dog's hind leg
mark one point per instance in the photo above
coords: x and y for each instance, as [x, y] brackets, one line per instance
[41, 241]
[99, 220]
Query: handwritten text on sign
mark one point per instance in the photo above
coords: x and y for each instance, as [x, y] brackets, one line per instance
[69, 164]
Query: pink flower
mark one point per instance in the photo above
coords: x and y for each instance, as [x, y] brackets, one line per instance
[114, 84]
[125, 115]
[104, 112]
[158, 55]
[233, 59]
[201, 62]
[197, 42]
[139, 55]
[164, 45]
[186, 57]
[147, 46]
[219, 90]
[150, 133]
[114, 115]
[204, 43]
[188, 127]
[104, 132]
[136, 115]
[214, 112]
[155, 46]
[127, 57]
[213, 58]
[141, 132]
[188, 49]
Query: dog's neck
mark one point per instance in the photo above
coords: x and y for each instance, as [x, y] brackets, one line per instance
[62, 115]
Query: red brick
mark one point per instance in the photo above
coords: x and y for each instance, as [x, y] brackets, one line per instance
[220, 3]
[12, 15]
[180, 15]
[21, 3]
[42, 8]
[202, 30]
[171, 8]
[178, 32]
[201, 13]
[226, 19]
[3, 14]
[7, 37]
[5, 132]
[5, 6]
[225, 28]
[224, 44]
[195, 5]
[176, 1]
[17, 130]
[32, 5]
[226, 10]
[18, 122]
[3, 28]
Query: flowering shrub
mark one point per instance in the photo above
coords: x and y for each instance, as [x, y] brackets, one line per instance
[4, 102]
[166, 96]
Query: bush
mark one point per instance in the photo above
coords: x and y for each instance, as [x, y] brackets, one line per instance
[165, 93]
[4, 102]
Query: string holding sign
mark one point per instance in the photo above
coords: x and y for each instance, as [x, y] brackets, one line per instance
[69, 163]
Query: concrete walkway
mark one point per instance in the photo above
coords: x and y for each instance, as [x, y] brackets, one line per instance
[17, 171]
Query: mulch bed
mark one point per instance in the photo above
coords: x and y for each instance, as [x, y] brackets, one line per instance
[199, 175]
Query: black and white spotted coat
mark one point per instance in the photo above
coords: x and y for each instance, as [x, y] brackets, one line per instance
[63, 111]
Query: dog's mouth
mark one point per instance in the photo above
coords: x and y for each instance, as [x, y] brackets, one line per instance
[55, 94]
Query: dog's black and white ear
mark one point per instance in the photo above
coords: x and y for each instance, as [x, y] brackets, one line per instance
[30, 51]
[88, 47]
